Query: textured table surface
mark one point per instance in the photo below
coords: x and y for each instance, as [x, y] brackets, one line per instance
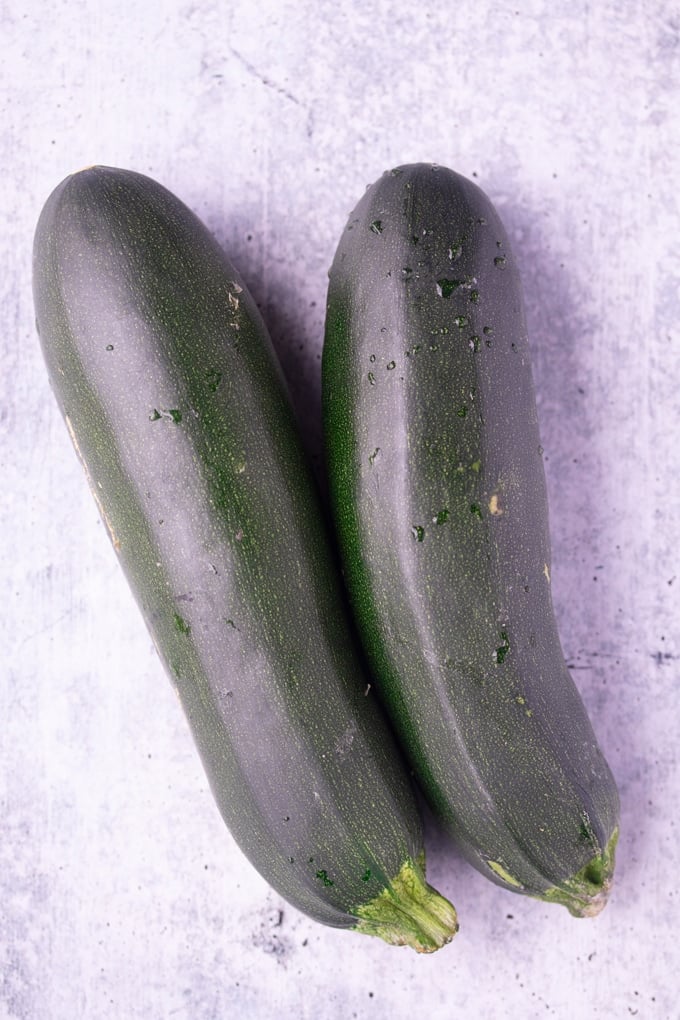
[122, 895]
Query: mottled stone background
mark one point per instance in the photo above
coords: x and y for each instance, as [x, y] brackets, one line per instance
[122, 895]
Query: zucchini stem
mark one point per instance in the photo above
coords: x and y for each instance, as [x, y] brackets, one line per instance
[586, 894]
[409, 912]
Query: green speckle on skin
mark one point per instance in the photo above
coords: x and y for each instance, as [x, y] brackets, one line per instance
[323, 876]
[377, 227]
[476, 466]
[442, 516]
[476, 509]
[213, 379]
[462, 411]
[181, 624]
[366, 877]
[418, 532]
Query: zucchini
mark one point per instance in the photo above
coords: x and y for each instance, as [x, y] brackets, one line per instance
[176, 405]
[438, 492]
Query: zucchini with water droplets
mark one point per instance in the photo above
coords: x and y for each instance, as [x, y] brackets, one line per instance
[438, 492]
[166, 377]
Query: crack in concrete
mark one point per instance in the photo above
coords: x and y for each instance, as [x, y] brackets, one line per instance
[271, 84]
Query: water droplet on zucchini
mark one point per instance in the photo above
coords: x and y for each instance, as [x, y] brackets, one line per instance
[445, 287]
[503, 650]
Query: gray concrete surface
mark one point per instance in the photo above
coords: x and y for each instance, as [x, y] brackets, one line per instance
[122, 895]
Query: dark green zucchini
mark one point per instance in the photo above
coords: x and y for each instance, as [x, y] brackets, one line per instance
[175, 402]
[438, 492]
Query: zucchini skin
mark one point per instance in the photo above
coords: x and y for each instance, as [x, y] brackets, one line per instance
[166, 377]
[438, 492]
